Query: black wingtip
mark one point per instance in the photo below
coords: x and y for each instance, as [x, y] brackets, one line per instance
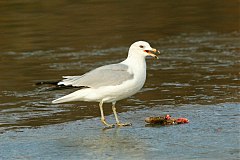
[47, 82]
[55, 86]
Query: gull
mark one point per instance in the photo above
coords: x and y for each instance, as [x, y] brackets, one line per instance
[111, 83]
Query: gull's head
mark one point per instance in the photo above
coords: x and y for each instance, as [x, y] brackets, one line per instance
[143, 48]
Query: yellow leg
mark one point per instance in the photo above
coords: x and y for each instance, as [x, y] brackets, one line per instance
[103, 118]
[116, 117]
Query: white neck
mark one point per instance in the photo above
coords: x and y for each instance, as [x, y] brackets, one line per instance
[135, 61]
[137, 65]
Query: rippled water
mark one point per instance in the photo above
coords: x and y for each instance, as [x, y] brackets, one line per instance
[198, 66]
[205, 137]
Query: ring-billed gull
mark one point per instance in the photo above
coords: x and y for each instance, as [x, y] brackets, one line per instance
[111, 83]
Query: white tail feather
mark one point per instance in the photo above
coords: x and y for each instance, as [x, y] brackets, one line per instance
[75, 96]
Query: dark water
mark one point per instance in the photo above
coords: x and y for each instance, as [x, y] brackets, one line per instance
[197, 76]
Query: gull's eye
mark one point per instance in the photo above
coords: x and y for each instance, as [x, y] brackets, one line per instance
[141, 46]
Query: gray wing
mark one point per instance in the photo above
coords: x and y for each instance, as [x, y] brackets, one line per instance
[108, 75]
